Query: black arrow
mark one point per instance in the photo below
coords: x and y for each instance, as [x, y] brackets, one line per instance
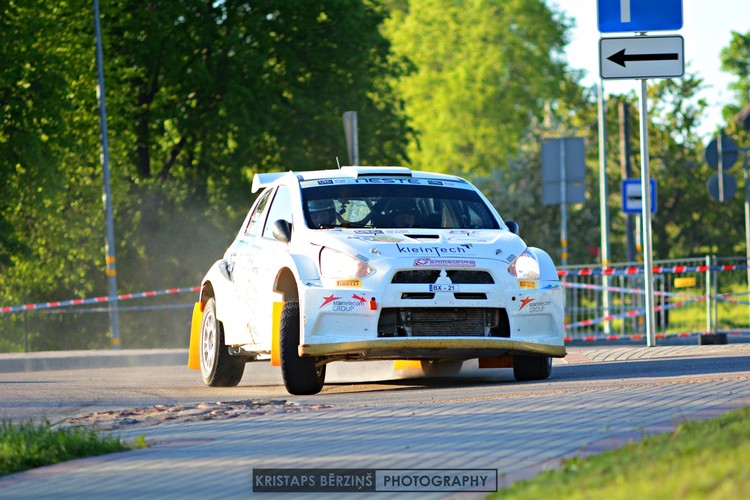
[620, 57]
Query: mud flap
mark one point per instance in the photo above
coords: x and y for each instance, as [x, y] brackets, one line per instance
[275, 327]
[498, 362]
[194, 356]
[407, 364]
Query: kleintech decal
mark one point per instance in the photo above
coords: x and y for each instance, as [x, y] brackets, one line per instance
[435, 250]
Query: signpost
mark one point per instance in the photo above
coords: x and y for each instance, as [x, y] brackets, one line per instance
[563, 173]
[642, 57]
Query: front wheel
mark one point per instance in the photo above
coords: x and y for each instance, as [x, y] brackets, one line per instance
[218, 367]
[531, 367]
[301, 375]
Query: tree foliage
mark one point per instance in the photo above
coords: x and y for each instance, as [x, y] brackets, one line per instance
[735, 59]
[200, 95]
[483, 71]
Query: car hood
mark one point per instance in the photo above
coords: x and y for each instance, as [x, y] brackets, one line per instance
[422, 243]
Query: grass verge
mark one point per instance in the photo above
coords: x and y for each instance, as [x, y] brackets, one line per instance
[27, 445]
[706, 459]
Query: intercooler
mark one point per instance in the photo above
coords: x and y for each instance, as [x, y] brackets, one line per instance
[443, 322]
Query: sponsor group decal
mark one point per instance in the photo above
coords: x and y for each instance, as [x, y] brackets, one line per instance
[344, 305]
[534, 306]
[428, 262]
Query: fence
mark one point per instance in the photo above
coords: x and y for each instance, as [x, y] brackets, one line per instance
[155, 319]
[691, 296]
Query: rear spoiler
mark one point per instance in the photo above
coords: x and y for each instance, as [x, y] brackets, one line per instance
[261, 181]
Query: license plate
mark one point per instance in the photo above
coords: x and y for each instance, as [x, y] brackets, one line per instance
[444, 288]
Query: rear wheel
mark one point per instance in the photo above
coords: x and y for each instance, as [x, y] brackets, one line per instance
[441, 367]
[218, 367]
[531, 367]
[301, 375]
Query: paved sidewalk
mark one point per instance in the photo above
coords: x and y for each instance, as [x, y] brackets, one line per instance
[518, 435]
[73, 360]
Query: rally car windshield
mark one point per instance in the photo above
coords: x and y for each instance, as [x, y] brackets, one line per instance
[395, 206]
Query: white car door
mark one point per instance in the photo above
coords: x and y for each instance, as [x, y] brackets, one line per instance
[268, 260]
[243, 262]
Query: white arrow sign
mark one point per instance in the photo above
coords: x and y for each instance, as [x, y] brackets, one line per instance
[641, 57]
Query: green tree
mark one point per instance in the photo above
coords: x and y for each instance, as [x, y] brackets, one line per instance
[483, 71]
[200, 96]
[735, 59]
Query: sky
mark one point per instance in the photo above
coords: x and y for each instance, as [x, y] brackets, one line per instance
[707, 27]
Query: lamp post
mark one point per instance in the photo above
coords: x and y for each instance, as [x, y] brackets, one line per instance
[114, 316]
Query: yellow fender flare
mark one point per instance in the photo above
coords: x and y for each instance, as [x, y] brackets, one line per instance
[194, 354]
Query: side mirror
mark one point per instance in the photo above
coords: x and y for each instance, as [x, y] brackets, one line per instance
[282, 231]
[512, 226]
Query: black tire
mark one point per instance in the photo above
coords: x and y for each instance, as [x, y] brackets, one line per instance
[531, 367]
[218, 367]
[441, 367]
[301, 375]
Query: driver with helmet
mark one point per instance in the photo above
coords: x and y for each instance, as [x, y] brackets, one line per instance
[322, 213]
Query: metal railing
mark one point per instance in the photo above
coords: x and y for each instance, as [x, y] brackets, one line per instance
[691, 296]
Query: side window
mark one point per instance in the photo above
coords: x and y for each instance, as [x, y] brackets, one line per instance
[281, 208]
[255, 223]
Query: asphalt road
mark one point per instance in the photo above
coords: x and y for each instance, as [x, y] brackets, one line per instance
[367, 417]
[61, 393]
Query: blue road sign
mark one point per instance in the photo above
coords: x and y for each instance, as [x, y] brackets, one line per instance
[632, 197]
[639, 15]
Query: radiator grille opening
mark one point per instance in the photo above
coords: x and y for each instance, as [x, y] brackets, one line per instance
[443, 322]
[457, 277]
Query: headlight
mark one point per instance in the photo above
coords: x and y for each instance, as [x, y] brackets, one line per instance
[338, 265]
[525, 267]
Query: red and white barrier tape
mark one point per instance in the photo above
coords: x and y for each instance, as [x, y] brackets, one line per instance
[95, 300]
[610, 271]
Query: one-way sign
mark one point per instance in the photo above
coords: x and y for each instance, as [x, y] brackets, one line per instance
[641, 57]
[639, 15]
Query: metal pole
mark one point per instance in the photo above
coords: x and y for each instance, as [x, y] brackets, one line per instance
[715, 285]
[709, 277]
[625, 173]
[563, 206]
[745, 152]
[648, 267]
[603, 206]
[114, 316]
[355, 140]
[721, 166]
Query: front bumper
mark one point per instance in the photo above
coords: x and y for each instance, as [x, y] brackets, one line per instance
[449, 348]
[391, 319]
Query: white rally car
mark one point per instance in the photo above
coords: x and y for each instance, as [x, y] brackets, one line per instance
[374, 263]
